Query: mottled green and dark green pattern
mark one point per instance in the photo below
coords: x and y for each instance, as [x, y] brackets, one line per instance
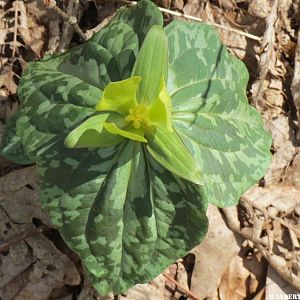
[211, 113]
[126, 216]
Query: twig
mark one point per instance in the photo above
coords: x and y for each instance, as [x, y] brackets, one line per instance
[185, 291]
[73, 9]
[275, 261]
[97, 28]
[267, 46]
[51, 4]
[189, 17]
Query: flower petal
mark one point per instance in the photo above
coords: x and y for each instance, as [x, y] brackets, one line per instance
[161, 108]
[91, 133]
[119, 96]
[131, 133]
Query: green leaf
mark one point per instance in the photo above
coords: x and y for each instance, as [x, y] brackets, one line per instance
[140, 17]
[70, 85]
[119, 96]
[77, 77]
[126, 216]
[91, 133]
[11, 146]
[122, 43]
[211, 113]
[152, 65]
[52, 103]
[97, 61]
[88, 62]
[167, 148]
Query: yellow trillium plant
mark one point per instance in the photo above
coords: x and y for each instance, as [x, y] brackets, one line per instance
[133, 133]
[140, 109]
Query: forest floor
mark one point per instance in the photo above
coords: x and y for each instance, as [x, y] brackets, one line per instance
[251, 251]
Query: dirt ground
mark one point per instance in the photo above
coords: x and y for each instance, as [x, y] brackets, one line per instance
[251, 251]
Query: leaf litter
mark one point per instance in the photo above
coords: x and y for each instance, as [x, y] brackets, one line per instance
[260, 254]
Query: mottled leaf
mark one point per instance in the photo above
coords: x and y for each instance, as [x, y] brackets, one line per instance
[11, 146]
[52, 103]
[211, 114]
[126, 216]
[140, 17]
[124, 209]
[59, 92]
[122, 43]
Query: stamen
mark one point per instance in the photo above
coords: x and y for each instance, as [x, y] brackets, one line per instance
[138, 116]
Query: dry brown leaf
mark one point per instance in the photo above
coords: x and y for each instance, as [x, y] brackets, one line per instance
[285, 8]
[164, 3]
[31, 267]
[273, 94]
[200, 10]
[153, 290]
[260, 295]
[296, 83]
[283, 146]
[293, 172]
[18, 179]
[241, 279]
[30, 30]
[18, 28]
[7, 78]
[227, 4]
[276, 286]
[284, 198]
[213, 255]
[89, 293]
[182, 279]
[259, 8]
[177, 5]
[234, 282]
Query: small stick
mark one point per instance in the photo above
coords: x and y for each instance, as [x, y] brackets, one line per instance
[188, 293]
[51, 4]
[178, 14]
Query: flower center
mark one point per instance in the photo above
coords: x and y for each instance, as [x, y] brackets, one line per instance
[138, 117]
